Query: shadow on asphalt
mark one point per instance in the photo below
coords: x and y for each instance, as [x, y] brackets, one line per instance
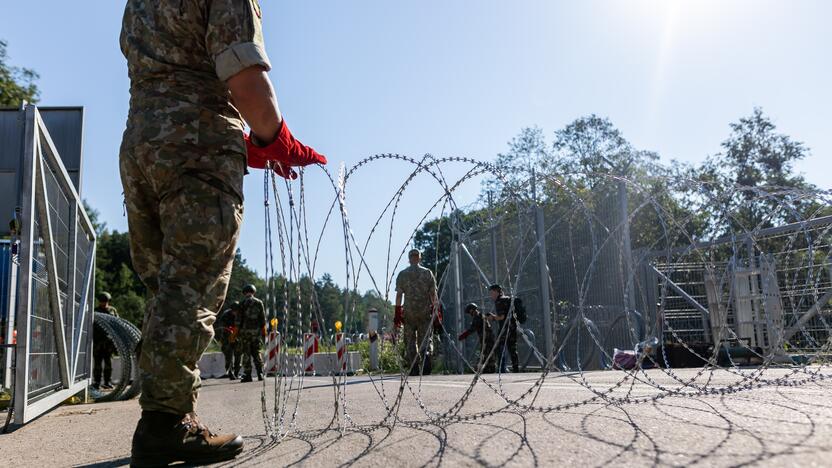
[124, 461]
[742, 429]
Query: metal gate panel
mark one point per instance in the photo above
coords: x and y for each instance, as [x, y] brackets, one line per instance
[56, 267]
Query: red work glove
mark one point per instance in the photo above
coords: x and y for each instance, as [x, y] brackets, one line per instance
[464, 335]
[398, 319]
[437, 321]
[256, 160]
[285, 149]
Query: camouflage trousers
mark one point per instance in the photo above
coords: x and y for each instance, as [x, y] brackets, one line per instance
[250, 349]
[184, 207]
[507, 346]
[231, 354]
[486, 347]
[415, 331]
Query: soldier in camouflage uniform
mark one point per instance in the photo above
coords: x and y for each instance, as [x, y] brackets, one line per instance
[507, 336]
[226, 331]
[251, 334]
[102, 348]
[197, 68]
[418, 286]
[482, 327]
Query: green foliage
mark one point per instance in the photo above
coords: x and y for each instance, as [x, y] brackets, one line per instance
[580, 178]
[433, 239]
[241, 275]
[527, 152]
[323, 300]
[755, 156]
[114, 272]
[389, 356]
[16, 84]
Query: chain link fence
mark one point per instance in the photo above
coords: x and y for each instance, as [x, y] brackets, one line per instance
[571, 260]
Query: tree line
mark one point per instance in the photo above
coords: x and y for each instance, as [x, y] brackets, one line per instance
[571, 165]
[578, 172]
[300, 298]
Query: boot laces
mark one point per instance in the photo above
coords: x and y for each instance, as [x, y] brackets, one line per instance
[193, 426]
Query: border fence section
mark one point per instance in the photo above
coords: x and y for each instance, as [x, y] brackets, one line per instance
[48, 274]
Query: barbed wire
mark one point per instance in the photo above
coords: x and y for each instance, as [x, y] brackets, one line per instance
[299, 257]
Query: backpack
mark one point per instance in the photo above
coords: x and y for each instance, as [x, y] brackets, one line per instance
[519, 310]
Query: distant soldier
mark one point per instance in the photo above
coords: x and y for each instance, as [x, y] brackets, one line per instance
[251, 334]
[507, 338]
[418, 286]
[482, 327]
[102, 347]
[226, 332]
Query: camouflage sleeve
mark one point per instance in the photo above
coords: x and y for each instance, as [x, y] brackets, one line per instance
[474, 324]
[261, 310]
[234, 36]
[432, 284]
[400, 282]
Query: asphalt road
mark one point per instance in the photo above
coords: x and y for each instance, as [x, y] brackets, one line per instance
[776, 425]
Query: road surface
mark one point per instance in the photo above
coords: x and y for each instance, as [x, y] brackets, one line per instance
[771, 426]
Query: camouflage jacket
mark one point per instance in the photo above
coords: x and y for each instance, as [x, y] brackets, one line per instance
[179, 55]
[503, 306]
[481, 327]
[225, 321]
[110, 310]
[419, 288]
[252, 317]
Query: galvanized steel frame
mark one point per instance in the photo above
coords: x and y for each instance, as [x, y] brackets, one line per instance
[38, 150]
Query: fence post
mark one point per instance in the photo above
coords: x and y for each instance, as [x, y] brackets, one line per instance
[545, 298]
[494, 271]
[626, 245]
[458, 299]
[543, 274]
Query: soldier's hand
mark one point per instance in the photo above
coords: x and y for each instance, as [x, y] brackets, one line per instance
[284, 149]
[398, 318]
[257, 161]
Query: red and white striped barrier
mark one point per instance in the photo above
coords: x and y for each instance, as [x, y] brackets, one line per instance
[272, 352]
[341, 349]
[310, 341]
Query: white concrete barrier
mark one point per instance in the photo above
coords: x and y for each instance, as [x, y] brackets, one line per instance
[212, 365]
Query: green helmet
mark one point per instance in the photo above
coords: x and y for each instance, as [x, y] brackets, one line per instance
[249, 288]
[104, 297]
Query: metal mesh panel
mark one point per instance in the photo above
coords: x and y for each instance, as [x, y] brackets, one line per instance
[44, 373]
[800, 260]
[5, 303]
[83, 262]
[53, 307]
[62, 216]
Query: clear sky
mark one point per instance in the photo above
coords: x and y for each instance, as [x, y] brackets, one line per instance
[463, 77]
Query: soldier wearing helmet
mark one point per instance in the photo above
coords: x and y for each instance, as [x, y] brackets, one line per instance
[252, 331]
[226, 331]
[482, 327]
[102, 347]
[504, 313]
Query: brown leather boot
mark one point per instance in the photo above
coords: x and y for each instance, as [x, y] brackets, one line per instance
[163, 438]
